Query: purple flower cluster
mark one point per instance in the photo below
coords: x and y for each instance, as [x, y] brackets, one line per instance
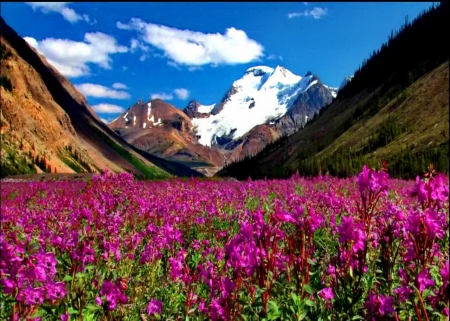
[116, 248]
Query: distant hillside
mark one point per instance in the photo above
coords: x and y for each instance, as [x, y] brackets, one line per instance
[395, 108]
[159, 128]
[48, 126]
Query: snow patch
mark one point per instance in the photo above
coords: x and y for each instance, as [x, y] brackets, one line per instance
[205, 109]
[144, 125]
[134, 120]
[158, 122]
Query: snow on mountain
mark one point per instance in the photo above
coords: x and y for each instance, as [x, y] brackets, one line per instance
[345, 81]
[205, 109]
[262, 94]
[333, 90]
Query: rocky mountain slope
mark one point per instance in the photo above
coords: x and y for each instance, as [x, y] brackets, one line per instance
[160, 128]
[48, 126]
[395, 108]
[264, 104]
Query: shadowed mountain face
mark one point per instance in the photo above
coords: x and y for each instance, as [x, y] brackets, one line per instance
[47, 125]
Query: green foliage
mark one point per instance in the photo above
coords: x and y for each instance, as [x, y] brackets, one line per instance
[82, 167]
[15, 163]
[149, 172]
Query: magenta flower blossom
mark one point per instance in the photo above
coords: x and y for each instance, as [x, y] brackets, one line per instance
[285, 217]
[65, 317]
[326, 294]
[154, 307]
[386, 305]
[112, 295]
[55, 291]
[424, 280]
[346, 229]
[363, 179]
[371, 303]
[403, 293]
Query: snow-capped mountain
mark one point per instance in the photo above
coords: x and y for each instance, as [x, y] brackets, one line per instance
[262, 96]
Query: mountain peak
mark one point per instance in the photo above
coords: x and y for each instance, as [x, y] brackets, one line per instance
[258, 70]
[345, 81]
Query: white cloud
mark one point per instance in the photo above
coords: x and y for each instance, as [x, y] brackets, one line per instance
[193, 48]
[273, 57]
[104, 120]
[194, 68]
[99, 91]
[174, 65]
[118, 85]
[60, 7]
[305, 3]
[181, 93]
[71, 57]
[108, 109]
[162, 96]
[138, 45]
[316, 13]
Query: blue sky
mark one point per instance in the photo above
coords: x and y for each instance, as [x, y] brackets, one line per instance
[117, 53]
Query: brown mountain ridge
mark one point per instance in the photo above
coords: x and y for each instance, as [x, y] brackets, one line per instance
[47, 125]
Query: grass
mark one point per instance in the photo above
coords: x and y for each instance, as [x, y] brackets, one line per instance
[421, 108]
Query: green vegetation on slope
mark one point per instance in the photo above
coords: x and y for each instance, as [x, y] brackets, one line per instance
[148, 171]
[383, 85]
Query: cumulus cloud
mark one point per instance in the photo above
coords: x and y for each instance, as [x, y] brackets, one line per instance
[60, 7]
[181, 93]
[108, 109]
[192, 48]
[99, 91]
[119, 85]
[316, 13]
[71, 58]
[162, 96]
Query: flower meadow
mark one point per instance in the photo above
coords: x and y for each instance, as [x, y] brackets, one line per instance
[362, 248]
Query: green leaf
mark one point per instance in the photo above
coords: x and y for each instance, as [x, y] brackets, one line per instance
[311, 261]
[303, 314]
[296, 299]
[308, 289]
[67, 278]
[92, 307]
[73, 311]
[309, 302]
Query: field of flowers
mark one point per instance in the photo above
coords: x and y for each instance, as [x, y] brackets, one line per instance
[364, 248]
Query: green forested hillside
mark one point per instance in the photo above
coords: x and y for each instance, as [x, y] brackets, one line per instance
[395, 108]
